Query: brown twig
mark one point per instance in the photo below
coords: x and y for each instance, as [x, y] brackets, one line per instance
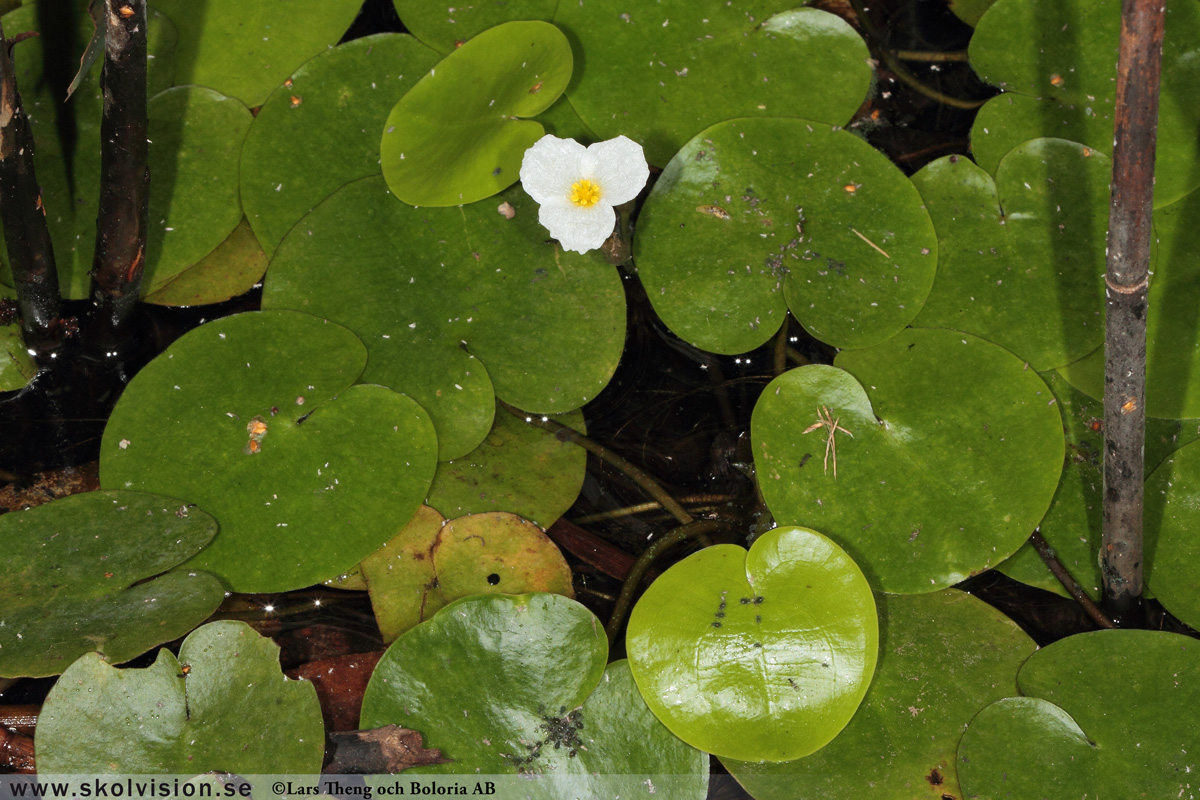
[1069, 583]
[1139, 67]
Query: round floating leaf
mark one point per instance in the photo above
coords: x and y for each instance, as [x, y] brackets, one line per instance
[523, 679]
[1171, 548]
[90, 572]
[519, 467]
[906, 446]
[222, 705]
[457, 136]
[444, 28]
[196, 141]
[660, 74]
[245, 50]
[1064, 739]
[231, 269]
[942, 656]
[445, 298]
[68, 169]
[330, 112]
[433, 562]
[253, 417]
[761, 655]
[1172, 327]
[1021, 258]
[1055, 59]
[754, 217]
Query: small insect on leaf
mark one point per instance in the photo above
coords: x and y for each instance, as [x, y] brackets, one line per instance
[1056, 80]
[537, 87]
[296, 101]
[713, 211]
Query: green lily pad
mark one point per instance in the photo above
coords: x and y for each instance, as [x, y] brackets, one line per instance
[761, 655]
[1021, 258]
[329, 112]
[756, 217]
[222, 705]
[444, 28]
[1171, 550]
[254, 418]
[939, 420]
[942, 656]
[457, 306]
[529, 696]
[1056, 61]
[245, 50]
[433, 562]
[660, 74]
[231, 269]
[458, 136]
[519, 467]
[68, 171]
[196, 142]
[93, 571]
[1173, 324]
[1063, 738]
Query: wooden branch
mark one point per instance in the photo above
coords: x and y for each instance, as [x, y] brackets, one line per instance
[1139, 67]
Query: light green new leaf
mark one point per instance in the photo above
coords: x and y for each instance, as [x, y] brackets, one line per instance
[761, 655]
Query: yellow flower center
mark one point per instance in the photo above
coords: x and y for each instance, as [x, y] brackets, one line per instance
[585, 193]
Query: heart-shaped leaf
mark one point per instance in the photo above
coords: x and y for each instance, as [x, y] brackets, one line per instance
[755, 217]
[1021, 257]
[761, 655]
[90, 572]
[253, 417]
[942, 656]
[329, 112]
[523, 679]
[451, 301]
[1063, 739]
[1054, 58]
[898, 454]
[222, 705]
[245, 50]
[458, 136]
[662, 73]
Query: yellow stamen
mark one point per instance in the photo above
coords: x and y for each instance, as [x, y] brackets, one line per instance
[585, 193]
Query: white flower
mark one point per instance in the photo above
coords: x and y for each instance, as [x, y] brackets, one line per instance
[578, 186]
